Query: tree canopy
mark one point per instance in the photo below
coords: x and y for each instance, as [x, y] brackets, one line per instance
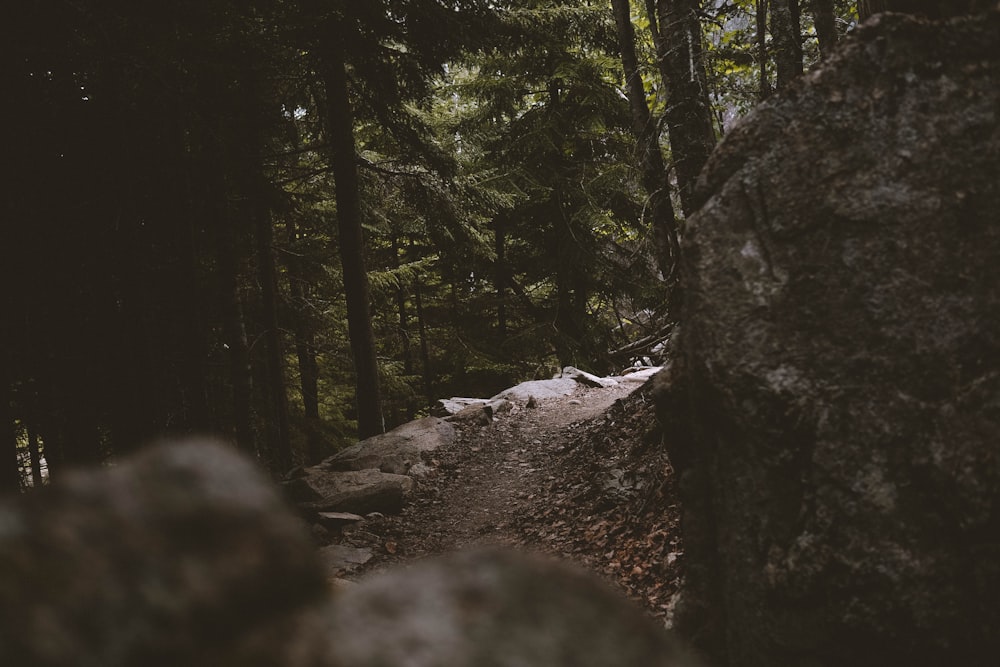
[295, 222]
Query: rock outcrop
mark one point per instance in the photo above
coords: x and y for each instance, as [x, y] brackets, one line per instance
[357, 491]
[834, 408]
[186, 555]
[375, 475]
[174, 558]
[396, 451]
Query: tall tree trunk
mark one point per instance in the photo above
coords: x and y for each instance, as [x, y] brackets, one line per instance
[81, 434]
[404, 318]
[10, 310]
[762, 57]
[825, 21]
[787, 35]
[194, 346]
[34, 454]
[654, 173]
[234, 328]
[305, 347]
[192, 340]
[340, 127]
[425, 357]
[689, 112]
[867, 8]
[406, 349]
[10, 473]
[277, 429]
[500, 272]
[50, 427]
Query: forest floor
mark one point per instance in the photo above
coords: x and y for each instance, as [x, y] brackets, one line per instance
[584, 478]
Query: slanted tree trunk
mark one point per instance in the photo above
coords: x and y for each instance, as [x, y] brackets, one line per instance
[644, 127]
[825, 21]
[689, 112]
[340, 130]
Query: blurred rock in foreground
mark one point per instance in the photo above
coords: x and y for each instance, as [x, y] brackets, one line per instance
[187, 555]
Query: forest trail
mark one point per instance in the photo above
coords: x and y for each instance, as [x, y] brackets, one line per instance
[575, 477]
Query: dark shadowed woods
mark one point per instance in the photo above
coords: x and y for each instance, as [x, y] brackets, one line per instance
[293, 227]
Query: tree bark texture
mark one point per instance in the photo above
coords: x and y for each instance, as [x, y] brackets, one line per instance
[933, 9]
[340, 127]
[500, 274]
[825, 21]
[761, 18]
[10, 474]
[234, 327]
[35, 455]
[651, 165]
[866, 8]
[801, 498]
[278, 432]
[425, 357]
[689, 112]
[305, 344]
[787, 36]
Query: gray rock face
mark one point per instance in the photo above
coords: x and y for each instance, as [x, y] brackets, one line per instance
[396, 451]
[539, 390]
[450, 406]
[639, 375]
[495, 609]
[588, 379]
[834, 411]
[169, 559]
[339, 559]
[355, 491]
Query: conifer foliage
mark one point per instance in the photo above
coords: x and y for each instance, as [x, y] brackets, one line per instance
[293, 222]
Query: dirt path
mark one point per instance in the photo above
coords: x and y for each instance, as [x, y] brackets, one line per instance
[546, 478]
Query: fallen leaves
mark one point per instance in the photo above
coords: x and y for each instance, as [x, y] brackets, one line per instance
[630, 533]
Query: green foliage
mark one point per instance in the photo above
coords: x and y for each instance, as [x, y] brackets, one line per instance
[506, 224]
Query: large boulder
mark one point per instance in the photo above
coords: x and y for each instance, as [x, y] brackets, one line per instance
[834, 412]
[177, 557]
[317, 490]
[396, 451]
[537, 390]
[495, 609]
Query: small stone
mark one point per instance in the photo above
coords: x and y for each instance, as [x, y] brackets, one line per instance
[339, 558]
[337, 519]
